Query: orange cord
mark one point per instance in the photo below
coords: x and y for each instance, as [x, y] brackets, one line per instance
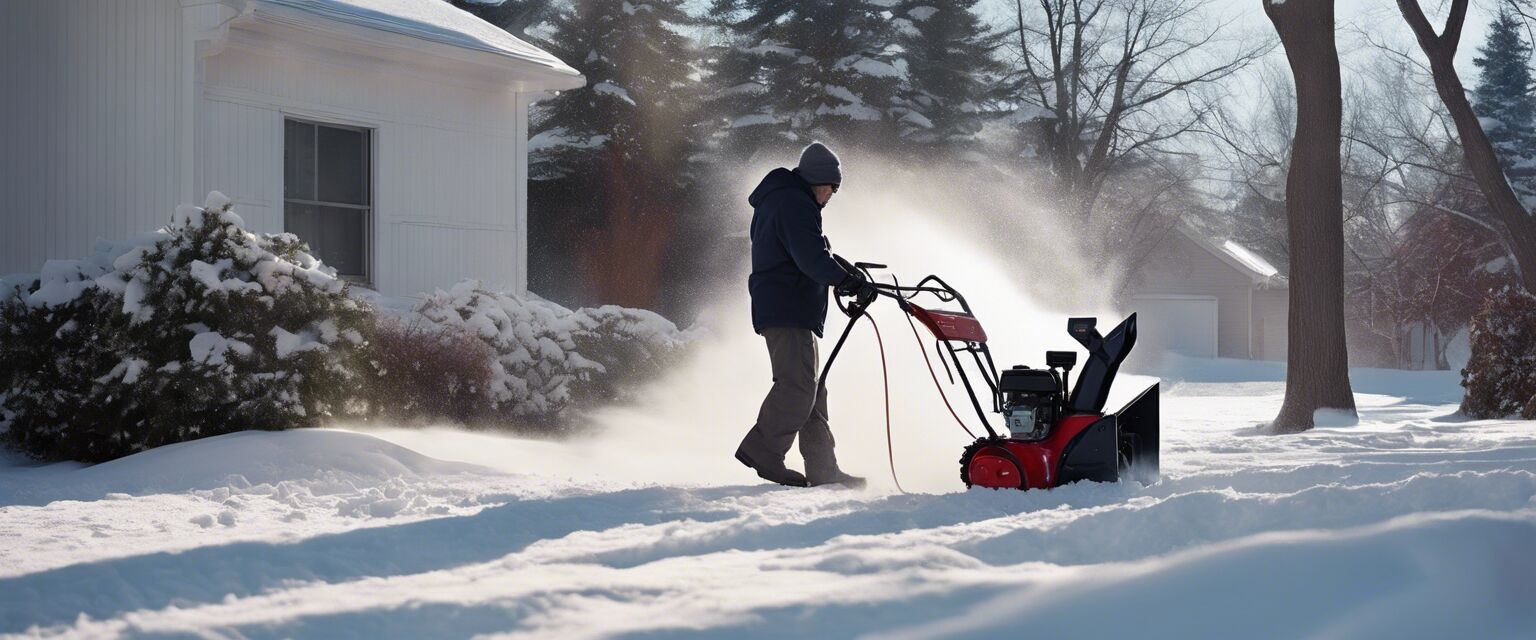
[885, 379]
[935, 377]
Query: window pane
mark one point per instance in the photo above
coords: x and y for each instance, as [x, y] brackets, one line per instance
[303, 221]
[346, 239]
[298, 160]
[343, 166]
[336, 235]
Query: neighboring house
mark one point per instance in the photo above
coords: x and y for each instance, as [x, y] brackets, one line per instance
[389, 134]
[1206, 298]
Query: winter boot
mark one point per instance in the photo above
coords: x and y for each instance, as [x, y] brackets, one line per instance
[773, 473]
[839, 477]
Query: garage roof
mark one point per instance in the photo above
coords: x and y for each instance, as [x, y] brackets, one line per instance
[1239, 257]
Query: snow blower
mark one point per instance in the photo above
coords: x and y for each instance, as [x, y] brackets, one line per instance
[1050, 436]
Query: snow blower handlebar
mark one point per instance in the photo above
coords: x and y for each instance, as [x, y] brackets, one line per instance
[858, 304]
[853, 308]
[861, 301]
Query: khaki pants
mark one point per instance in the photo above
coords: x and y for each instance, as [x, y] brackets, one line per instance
[794, 406]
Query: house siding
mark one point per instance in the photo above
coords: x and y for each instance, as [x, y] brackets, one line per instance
[1181, 266]
[116, 111]
[1272, 315]
[447, 193]
[89, 122]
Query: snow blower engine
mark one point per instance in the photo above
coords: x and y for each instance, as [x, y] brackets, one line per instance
[1050, 435]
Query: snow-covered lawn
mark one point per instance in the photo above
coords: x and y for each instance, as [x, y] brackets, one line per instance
[1414, 523]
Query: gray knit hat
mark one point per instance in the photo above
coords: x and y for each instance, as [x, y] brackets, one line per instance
[818, 165]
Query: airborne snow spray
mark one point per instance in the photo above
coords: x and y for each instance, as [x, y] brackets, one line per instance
[688, 423]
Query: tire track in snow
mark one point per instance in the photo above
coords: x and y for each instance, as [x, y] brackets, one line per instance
[878, 563]
[755, 562]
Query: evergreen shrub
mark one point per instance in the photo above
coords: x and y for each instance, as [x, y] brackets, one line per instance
[1500, 378]
[548, 357]
[203, 328]
[198, 329]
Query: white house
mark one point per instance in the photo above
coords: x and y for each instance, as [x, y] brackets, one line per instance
[390, 134]
[1204, 297]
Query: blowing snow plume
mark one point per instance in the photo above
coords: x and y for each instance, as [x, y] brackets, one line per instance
[689, 422]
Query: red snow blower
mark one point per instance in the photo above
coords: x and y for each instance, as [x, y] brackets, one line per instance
[1051, 436]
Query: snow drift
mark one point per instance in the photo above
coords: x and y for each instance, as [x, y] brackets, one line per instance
[1411, 523]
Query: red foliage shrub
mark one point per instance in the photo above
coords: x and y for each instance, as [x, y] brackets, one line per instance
[425, 372]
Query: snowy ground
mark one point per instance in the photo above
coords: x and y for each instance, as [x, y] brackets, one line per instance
[1414, 523]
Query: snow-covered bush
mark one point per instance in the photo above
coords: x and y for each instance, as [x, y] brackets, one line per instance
[632, 345]
[203, 328]
[547, 356]
[197, 329]
[1501, 376]
[427, 372]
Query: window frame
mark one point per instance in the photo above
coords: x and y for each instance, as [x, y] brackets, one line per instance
[369, 162]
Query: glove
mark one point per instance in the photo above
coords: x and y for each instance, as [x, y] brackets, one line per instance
[855, 285]
[850, 284]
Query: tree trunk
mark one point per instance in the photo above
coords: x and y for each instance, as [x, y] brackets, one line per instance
[1317, 363]
[1519, 225]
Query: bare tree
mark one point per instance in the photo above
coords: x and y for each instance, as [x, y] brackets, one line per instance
[1415, 257]
[1426, 254]
[1422, 166]
[1514, 224]
[1118, 78]
[1317, 372]
[1252, 153]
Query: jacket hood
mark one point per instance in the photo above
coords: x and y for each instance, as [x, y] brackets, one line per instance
[777, 179]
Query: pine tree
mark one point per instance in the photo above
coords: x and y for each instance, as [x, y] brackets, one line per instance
[1504, 102]
[521, 18]
[953, 74]
[611, 161]
[793, 71]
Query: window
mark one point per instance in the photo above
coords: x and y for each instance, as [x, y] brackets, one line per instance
[328, 193]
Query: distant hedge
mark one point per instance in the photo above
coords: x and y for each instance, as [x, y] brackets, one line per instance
[1500, 378]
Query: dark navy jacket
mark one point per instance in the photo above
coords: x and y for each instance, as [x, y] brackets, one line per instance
[792, 265]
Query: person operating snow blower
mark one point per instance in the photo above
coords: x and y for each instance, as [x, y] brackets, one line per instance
[792, 268]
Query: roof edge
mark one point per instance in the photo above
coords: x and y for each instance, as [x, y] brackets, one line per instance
[1258, 278]
[555, 73]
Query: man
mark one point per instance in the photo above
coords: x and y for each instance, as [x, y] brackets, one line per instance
[791, 269]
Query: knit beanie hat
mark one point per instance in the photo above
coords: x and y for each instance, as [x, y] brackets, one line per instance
[818, 165]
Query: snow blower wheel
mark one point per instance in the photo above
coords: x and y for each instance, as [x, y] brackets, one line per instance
[1051, 435]
[986, 464]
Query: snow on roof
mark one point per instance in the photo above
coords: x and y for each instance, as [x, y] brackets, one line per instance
[1239, 257]
[1249, 259]
[433, 20]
